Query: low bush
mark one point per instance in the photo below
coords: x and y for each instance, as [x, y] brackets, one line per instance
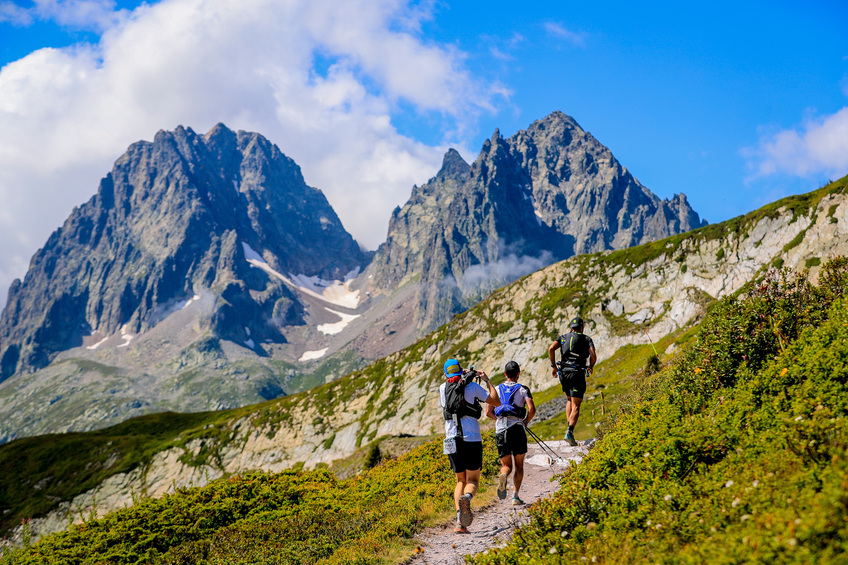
[290, 517]
[736, 453]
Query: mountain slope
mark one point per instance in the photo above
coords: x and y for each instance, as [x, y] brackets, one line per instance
[628, 297]
[546, 193]
[738, 453]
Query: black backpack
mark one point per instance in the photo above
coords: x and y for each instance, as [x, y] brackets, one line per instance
[575, 350]
[455, 404]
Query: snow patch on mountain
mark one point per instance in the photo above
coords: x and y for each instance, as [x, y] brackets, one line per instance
[311, 355]
[337, 293]
[337, 327]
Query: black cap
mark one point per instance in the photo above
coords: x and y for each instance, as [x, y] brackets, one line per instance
[512, 368]
[576, 322]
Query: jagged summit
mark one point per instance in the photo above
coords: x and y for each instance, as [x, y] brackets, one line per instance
[544, 194]
[453, 165]
[169, 221]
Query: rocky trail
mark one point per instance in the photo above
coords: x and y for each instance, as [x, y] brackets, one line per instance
[494, 524]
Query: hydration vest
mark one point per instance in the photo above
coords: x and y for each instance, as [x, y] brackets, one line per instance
[506, 392]
[575, 350]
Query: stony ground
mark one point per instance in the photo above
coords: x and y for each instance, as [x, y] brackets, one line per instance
[493, 525]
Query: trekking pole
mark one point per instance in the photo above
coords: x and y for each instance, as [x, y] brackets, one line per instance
[545, 447]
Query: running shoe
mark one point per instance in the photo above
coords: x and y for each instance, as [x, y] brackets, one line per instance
[465, 516]
[460, 530]
[569, 439]
[517, 501]
[502, 486]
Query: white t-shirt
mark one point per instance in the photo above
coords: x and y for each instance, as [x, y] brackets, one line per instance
[522, 393]
[470, 426]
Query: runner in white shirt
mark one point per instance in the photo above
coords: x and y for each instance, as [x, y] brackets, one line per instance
[514, 413]
[463, 443]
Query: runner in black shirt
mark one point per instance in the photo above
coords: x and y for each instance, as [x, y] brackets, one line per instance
[577, 349]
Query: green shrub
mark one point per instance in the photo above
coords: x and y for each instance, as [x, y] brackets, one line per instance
[736, 453]
[289, 517]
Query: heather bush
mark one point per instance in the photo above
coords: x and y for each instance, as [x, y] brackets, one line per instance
[736, 453]
[290, 517]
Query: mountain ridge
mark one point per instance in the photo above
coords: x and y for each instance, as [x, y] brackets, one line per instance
[206, 274]
[546, 193]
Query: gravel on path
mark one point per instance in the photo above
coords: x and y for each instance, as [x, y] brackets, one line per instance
[493, 525]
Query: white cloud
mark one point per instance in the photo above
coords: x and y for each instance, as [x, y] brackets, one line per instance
[505, 270]
[14, 14]
[820, 147]
[95, 15]
[561, 32]
[320, 78]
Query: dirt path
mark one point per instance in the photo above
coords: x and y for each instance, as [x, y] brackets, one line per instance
[494, 524]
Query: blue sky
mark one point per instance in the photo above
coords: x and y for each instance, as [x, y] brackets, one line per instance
[734, 104]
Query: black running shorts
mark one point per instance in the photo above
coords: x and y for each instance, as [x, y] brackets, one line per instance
[512, 441]
[468, 456]
[573, 382]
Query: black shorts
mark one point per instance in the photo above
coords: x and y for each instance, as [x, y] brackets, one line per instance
[573, 382]
[468, 456]
[512, 441]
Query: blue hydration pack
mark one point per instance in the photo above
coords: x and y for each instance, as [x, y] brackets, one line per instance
[506, 392]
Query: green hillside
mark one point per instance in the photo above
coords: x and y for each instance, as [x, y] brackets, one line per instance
[41, 472]
[293, 517]
[737, 453]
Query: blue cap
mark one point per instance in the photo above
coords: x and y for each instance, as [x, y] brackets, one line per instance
[452, 368]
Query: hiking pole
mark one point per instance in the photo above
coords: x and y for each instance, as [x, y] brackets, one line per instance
[545, 447]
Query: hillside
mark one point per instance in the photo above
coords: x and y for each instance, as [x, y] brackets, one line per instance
[655, 290]
[736, 452]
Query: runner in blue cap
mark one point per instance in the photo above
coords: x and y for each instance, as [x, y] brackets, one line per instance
[460, 398]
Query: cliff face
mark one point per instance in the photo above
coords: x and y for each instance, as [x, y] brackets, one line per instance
[627, 297]
[544, 194]
[175, 217]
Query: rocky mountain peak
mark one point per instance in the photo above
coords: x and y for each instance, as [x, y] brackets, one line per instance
[453, 165]
[544, 194]
[169, 221]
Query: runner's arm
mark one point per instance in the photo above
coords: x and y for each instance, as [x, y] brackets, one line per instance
[490, 411]
[493, 399]
[552, 355]
[592, 358]
[531, 410]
